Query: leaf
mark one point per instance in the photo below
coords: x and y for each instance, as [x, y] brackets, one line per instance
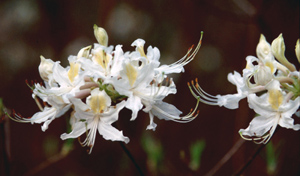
[196, 150]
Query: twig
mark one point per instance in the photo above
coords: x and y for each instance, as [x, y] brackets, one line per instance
[131, 158]
[3, 143]
[66, 149]
[242, 169]
[226, 157]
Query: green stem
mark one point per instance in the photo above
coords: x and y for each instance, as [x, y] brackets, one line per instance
[243, 168]
[131, 158]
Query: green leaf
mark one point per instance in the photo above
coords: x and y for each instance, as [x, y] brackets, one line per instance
[51, 146]
[196, 150]
[154, 151]
[271, 158]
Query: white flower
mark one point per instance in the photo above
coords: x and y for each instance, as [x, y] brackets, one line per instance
[47, 114]
[96, 114]
[273, 110]
[135, 77]
[143, 85]
[101, 81]
[152, 99]
[68, 80]
[229, 101]
[102, 64]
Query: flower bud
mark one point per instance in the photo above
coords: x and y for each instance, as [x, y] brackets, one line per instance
[297, 50]
[263, 75]
[101, 35]
[45, 68]
[278, 49]
[263, 48]
[84, 52]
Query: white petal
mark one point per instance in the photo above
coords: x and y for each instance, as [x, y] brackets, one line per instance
[138, 42]
[152, 125]
[286, 119]
[163, 110]
[260, 104]
[112, 114]
[288, 122]
[297, 113]
[46, 124]
[78, 129]
[47, 113]
[153, 54]
[290, 107]
[111, 133]
[259, 126]
[236, 79]
[167, 69]
[134, 104]
[116, 66]
[79, 105]
[250, 60]
[230, 101]
[60, 75]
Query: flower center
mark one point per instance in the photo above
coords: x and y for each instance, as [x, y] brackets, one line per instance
[102, 59]
[275, 98]
[98, 103]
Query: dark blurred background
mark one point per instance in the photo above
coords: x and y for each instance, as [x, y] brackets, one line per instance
[58, 28]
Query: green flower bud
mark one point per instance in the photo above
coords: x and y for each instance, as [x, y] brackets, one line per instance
[297, 50]
[278, 49]
[263, 48]
[101, 35]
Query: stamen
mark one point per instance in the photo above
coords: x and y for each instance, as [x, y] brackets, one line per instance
[30, 86]
[91, 134]
[38, 103]
[17, 117]
[188, 57]
[257, 140]
[204, 97]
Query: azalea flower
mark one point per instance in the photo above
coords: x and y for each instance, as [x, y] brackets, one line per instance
[96, 114]
[102, 80]
[152, 99]
[141, 82]
[56, 107]
[134, 80]
[273, 110]
[279, 78]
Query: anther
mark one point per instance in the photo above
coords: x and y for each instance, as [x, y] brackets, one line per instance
[167, 80]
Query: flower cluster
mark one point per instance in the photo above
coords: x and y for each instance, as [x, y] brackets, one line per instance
[272, 88]
[103, 80]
